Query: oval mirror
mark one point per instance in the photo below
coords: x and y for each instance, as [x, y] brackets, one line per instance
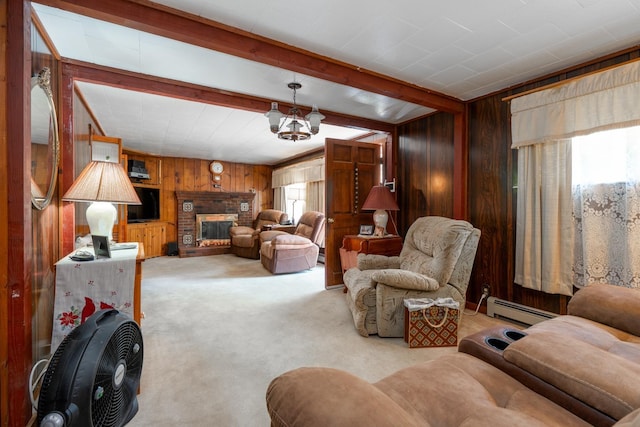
[45, 146]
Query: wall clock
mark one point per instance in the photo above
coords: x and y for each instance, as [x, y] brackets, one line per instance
[216, 167]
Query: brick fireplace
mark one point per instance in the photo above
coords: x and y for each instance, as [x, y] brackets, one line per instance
[193, 203]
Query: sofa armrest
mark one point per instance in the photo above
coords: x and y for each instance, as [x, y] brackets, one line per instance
[377, 262]
[611, 305]
[323, 397]
[241, 230]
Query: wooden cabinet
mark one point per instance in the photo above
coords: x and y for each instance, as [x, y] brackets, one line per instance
[152, 234]
[353, 245]
[152, 164]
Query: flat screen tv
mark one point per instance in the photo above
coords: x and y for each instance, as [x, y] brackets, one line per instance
[149, 210]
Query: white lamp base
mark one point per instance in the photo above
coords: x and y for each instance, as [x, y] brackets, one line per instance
[101, 216]
[380, 218]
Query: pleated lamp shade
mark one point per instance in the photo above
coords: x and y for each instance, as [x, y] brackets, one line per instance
[102, 183]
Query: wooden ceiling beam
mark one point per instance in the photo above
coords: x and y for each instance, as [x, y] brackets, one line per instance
[114, 77]
[178, 25]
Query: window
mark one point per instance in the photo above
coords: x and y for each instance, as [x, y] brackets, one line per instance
[296, 200]
[606, 203]
[606, 157]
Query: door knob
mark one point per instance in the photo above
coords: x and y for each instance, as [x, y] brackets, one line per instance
[331, 220]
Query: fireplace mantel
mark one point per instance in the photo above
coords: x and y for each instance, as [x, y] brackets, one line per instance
[192, 203]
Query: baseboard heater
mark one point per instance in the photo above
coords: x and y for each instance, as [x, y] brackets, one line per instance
[517, 312]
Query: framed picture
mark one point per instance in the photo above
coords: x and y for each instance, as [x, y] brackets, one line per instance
[366, 230]
[101, 246]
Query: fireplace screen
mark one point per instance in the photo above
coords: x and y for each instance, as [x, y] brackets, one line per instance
[213, 229]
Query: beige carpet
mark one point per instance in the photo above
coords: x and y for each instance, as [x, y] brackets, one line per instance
[218, 329]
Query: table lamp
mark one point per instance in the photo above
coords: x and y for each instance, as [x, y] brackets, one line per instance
[381, 200]
[102, 184]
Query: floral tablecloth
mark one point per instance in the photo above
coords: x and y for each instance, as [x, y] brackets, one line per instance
[84, 287]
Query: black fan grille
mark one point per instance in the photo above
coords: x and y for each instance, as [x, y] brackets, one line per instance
[113, 408]
[50, 385]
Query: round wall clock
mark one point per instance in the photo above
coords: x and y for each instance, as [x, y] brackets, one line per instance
[216, 167]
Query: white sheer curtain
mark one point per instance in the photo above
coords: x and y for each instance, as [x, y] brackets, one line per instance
[541, 123]
[606, 194]
[280, 198]
[315, 196]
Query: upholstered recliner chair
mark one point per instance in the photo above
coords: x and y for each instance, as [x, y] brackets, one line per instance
[282, 252]
[245, 241]
[436, 261]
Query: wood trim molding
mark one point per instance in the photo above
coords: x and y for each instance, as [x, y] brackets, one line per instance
[188, 28]
[192, 92]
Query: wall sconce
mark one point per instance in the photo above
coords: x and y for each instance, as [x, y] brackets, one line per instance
[391, 185]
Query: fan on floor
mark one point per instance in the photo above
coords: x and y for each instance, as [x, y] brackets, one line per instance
[93, 377]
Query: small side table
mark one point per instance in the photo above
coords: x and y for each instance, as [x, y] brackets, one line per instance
[352, 245]
[84, 287]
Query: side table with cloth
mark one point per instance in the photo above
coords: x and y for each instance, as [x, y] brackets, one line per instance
[84, 287]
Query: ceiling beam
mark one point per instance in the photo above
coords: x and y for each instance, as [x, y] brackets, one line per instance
[130, 80]
[181, 26]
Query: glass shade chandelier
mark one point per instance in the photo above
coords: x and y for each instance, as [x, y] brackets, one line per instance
[293, 128]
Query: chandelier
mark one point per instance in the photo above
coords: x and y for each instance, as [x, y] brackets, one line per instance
[295, 131]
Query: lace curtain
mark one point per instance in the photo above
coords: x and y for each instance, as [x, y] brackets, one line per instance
[607, 234]
[606, 210]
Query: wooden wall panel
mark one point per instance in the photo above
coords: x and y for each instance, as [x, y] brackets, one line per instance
[491, 198]
[425, 169]
[182, 174]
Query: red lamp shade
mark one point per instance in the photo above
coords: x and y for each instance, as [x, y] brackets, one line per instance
[381, 200]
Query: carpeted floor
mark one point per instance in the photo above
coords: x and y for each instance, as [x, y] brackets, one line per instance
[218, 329]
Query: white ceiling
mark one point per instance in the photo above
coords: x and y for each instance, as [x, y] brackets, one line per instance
[457, 48]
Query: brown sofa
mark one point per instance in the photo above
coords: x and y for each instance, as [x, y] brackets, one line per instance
[245, 241]
[281, 252]
[562, 358]
[590, 355]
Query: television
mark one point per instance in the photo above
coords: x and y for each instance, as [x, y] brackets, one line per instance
[149, 210]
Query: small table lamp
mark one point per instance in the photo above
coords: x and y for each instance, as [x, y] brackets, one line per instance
[381, 200]
[102, 183]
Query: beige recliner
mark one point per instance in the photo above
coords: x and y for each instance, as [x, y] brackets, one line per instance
[245, 241]
[436, 261]
[282, 252]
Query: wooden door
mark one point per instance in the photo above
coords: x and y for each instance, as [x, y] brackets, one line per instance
[351, 169]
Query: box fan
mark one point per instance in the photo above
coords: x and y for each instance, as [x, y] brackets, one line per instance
[93, 377]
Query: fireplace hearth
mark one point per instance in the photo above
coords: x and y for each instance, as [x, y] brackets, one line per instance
[213, 229]
[230, 208]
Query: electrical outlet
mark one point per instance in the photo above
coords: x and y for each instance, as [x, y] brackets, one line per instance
[486, 290]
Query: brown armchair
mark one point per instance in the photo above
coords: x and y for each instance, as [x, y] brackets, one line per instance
[281, 252]
[245, 241]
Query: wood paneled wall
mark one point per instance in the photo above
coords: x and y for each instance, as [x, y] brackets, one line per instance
[425, 169]
[182, 174]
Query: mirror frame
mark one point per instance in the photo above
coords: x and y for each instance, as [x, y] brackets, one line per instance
[43, 81]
